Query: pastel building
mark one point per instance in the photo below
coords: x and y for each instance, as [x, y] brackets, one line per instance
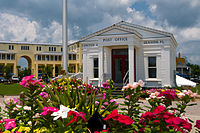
[39, 54]
[127, 53]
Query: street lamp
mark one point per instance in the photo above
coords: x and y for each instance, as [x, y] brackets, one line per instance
[64, 38]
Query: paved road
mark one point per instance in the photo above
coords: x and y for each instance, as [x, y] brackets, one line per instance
[192, 112]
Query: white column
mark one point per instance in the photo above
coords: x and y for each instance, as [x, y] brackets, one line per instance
[131, 63]
[107, 62]
[101, 64]
[85, 66]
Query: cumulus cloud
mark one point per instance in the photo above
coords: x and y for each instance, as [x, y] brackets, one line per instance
[181, 13]
[16, 28]
[40, 21]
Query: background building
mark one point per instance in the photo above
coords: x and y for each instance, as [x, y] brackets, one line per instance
[39, 55]
[181, 67]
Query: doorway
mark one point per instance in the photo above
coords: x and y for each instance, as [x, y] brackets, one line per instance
[119, 64]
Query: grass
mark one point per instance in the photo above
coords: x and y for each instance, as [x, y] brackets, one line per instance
[11, 89]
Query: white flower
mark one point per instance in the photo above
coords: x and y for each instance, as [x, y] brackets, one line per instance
[63, 112]
[27, 108]
[29, 122]
[18, 106]
[180, 95]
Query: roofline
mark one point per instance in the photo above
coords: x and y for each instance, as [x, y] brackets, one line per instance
[101, 31]
[143, 27]
[31, 43]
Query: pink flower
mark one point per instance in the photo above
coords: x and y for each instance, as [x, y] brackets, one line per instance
[141, 83]
[154, 95]
[104, 96]
[105, 85]
[49, 110]
[103, 107]
[44, 95]
[28, 81]
[112, 100]
[106, 103]
[96, 102]
[127, 97]
[9, 123]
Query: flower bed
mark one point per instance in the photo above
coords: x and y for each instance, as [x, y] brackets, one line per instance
[68, 105]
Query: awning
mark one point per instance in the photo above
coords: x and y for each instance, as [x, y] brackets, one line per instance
[180, 81]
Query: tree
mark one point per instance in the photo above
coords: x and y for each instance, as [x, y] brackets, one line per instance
[18, 67]
[25, 72]
[195, 69]
[7, 70]
[47, 71]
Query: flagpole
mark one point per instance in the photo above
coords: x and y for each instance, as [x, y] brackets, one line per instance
[64, 38]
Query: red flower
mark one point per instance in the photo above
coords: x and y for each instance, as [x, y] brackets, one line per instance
[187, 126]
[175, 120]
[159, 109]
[119, 117]
[113, 114]
[148, 115]
[168, 94]
[75, 116]
[197, 124]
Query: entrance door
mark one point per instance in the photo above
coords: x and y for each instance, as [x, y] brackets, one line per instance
[119, 64]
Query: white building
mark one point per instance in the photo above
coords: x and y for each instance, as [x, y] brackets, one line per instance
[128, 51]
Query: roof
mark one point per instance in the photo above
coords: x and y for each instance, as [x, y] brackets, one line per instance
[132, 28]
[31, 43]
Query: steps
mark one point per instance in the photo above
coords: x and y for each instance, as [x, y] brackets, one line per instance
[118, 90]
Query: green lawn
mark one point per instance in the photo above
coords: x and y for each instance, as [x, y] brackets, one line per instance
[10, 89]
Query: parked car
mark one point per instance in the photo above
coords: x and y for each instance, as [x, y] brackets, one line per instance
[14, 79]
[3, 80]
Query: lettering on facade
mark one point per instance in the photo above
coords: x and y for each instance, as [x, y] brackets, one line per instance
[118, 39]
[153, 41]
[89, 45]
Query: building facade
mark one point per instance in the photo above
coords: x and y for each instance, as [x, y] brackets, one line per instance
[127, 53]
[37, 55]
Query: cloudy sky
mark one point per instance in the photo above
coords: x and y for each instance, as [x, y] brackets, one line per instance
[41, 20]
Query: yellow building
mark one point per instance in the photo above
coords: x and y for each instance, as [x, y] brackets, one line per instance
[38, 54]
[75, 57]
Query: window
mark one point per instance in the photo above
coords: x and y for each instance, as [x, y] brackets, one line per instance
[11, 47]
[24, 47]
[70, 57]
[152, 67]
[8, 56]
[3, 56]
[61, 49]
[47, 57]
[56, 58]
[52, 48]
[74, 56]
[96, 68]
[39, 57]
[38, 48]
[60, 58]
[12, 57]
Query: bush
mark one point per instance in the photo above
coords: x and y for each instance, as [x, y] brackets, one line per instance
[68, 105]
